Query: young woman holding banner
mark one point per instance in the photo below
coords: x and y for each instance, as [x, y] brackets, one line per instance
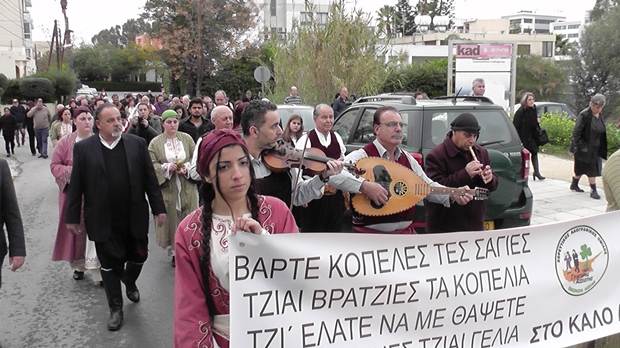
[229, 205]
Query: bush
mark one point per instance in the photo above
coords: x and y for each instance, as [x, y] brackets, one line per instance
[37, 87]
[559, 128]
[64, 83]
[125, 86]
[4, 83]
[12, 91]
[613, 139]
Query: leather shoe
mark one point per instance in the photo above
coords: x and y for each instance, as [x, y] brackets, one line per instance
[40, 156]
[116, 319]
[133, 295]
[595, 195]
[77, 275]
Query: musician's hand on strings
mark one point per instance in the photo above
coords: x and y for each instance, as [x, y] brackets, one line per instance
[487, 174]
[333, 168]
[473, 168]
[375, 192]
[462, 199]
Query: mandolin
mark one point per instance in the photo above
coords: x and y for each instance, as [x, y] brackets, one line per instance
[405, 188]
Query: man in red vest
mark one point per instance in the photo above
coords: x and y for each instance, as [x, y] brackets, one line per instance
[388, 128]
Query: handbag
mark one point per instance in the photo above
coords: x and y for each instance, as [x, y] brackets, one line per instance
[541, 136]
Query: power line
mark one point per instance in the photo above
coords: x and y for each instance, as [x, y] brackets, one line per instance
[18, 13]
[11, 20]
[12, 33]
[19, 10]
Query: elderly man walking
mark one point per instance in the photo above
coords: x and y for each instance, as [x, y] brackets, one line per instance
[42, 119]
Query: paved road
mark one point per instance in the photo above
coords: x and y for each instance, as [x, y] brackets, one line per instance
[42, 306]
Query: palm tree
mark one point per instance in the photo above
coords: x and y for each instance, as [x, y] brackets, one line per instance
[562, 46]
[385, 18]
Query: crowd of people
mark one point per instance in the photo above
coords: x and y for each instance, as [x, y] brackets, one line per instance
[207, 171]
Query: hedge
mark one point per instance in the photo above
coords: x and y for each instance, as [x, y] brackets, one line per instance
[12, 92]
[37, 87]
[125, 86]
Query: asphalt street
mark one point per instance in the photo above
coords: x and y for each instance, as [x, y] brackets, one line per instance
[42, 306]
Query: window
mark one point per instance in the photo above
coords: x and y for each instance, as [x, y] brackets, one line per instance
[365, 133]
[547, 49]
[527, 20]
[26, 30]
[572, 36]
[304, 18]
[559, 27]
[272, 7]
[573, 26]
[344, 124]
[523, 50]
[28, 52]
[493, 126]
[544, 21]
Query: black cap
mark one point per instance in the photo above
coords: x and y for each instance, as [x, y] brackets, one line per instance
[466, 122]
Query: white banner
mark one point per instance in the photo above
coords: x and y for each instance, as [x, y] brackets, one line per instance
[548, 286]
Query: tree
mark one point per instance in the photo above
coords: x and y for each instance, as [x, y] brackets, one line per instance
[321, 58]
[429, 77]
[4, 83]
[64, 82]
[540, 76]
[196, 34]
[91, 64]
[404, 18]
[562, 46]
[585, 252]
[600, 7]
[436, 8]
[596, 63]
[386, 19]
[37, 87]
[121, 36]
[12, 91]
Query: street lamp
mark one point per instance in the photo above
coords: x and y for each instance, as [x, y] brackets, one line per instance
[441, 23]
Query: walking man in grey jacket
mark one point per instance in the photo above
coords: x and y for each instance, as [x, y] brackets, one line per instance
[42, 119]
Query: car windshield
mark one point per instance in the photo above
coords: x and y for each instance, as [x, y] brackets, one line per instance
[306, 114]
[492, 123]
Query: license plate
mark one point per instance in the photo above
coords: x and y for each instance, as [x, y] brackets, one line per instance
[489, 225]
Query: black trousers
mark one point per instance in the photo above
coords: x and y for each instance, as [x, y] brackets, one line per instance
[9, 143]
[324, 215]
[120, 248]
[31, 139]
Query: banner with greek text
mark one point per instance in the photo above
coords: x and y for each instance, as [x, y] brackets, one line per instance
[548, 286]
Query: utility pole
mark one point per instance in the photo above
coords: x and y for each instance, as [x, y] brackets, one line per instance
[199, 63]
[54, 33]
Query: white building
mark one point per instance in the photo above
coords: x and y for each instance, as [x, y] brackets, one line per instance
[526, 22]
[569, 30]
[16, 46]
[279, 15]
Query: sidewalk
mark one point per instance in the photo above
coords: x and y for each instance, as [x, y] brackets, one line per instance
[554, 201]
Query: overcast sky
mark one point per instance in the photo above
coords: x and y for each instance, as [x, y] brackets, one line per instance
[88, 17]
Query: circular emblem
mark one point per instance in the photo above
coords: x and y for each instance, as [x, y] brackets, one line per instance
[581, 259]
[400, 188]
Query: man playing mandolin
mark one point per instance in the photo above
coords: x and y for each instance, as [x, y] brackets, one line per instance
[459, 161]
[388, 128]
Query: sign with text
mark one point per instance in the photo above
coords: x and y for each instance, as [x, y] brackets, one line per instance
[547, 286]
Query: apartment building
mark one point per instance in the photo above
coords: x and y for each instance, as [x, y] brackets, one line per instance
[17, 49]
[531, 22]
[279, 15]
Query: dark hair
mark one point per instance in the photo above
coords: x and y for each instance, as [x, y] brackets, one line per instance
[376, 119]
[207, 192]
[5, 109]
[237, 114]
[100, 109]
[416, 94]
[195, 101]
[180, 106]
[254, 114]
[288, 133]
[123, 114]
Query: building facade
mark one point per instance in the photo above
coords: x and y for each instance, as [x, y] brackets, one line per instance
[530, 22]
[569, 30]
[17, 49]
[279, 15]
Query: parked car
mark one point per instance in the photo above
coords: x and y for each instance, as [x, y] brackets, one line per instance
[426, 124]
[552, 108]
[285, 111]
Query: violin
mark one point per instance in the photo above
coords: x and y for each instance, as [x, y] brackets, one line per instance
[284, 156]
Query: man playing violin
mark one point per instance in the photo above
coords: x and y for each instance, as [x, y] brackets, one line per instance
[261, 129]
[325, 214]
[459, 161]
[388, 129]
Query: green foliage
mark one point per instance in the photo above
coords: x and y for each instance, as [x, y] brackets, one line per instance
[613, 138]
[540, 76]
[429, 78]
[91, 64]
[235, 76]
[4, 83]
[37, 87]
[404, 18]
[321, 58]
[64, 82]
[121, 36]
[597, 62]
[559, 128]
[12, 91]
[125, 86]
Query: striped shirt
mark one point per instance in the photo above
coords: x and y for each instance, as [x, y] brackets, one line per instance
[611, 181]
[292, 99]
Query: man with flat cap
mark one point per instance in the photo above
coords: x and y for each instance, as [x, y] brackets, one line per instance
[457, 162]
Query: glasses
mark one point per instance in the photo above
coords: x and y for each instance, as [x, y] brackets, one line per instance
[393, 124]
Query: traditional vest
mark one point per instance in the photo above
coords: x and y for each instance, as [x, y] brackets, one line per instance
[332, 151]
[277, 185]
[407, 215]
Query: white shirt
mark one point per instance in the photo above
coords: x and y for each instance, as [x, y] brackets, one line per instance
[191, 169]
[109, 146]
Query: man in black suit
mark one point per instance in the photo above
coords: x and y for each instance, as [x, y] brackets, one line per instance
[113, 171]
[11, 217]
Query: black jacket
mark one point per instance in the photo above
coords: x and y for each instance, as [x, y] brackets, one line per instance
[19, 112]
[9, 217]
[526, 123]
[582, 142]
[88, 178]
[196, 132]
